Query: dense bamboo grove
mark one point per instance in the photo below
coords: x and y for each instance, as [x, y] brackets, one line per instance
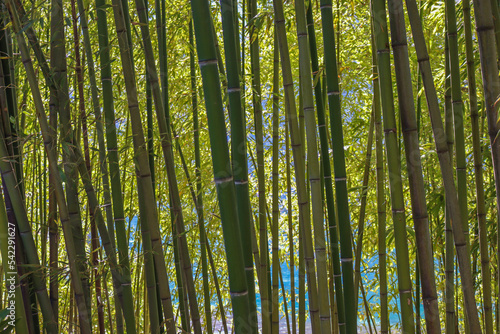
[249, 166]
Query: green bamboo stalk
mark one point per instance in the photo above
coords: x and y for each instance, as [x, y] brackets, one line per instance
[181, 289]
[299, 163]
[83, 119]
[207, 59]
[53, 228]
[362, 209]
[458, 121]
[285, 303]
[198, 179]
[446, 167]
[265, 283]
[478, 170]
[238, 148]
[275, 191]
[326, 169]
[491, 87]
[425, 256]
[302, 288]
[217, 287]
[99, 128]
[166, 141]
[112, 152]
[59, 68]
[290, 223]
[339, 166]
[141, 158]
[313, 166]
[381, 202]
[449, 251]
[394, 165]
[150, 283]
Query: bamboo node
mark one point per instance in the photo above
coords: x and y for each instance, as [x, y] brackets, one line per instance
[238, 294]
[333, 93]
[223, 180]
[207, 62]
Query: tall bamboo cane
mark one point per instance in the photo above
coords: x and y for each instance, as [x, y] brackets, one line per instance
[445, 164]
[207, 59]
[142, 161]
[313, 166]
[414, 166]
[83, 119]
[177, 216]
[491, 88]
[381, 203]
[478, 170]
[327, 173]
[362, 209]
[290, 222]
[298, 152]
[275, 202]
[112, 150]
[458, 121]
[59, 68]
[239, 147]
[339, 165]
[449, 251]
[150, 282]
[394, 165]
[264, 282]
[199, 193]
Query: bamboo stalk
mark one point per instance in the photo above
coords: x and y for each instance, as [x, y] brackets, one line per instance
[83, 118]
[326, 169]
[458, 122]
[177, 216]
[446, 167]
[223, 177]
[59, 68]
[362, 209]
[313, 167]
[449, 251]
[112, 151]
[264, 281]
[339, 166]
[142, 162]
[198, 179]
[425, 256]
[478, 170]
[239, 147]
[486, 34]
[394, 165]
[275, 196]
[298, 152]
